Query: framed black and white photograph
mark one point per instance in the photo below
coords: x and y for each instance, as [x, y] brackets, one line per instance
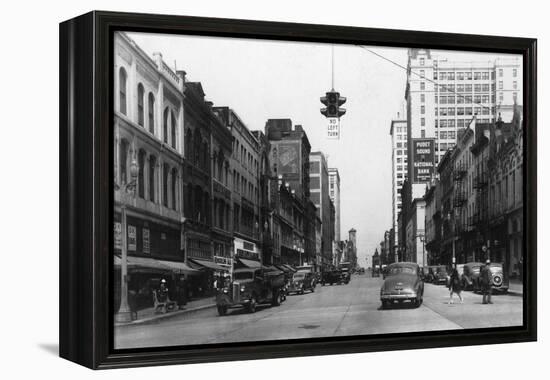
[237, 190]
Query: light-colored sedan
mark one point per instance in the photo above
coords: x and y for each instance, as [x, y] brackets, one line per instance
[403, 282]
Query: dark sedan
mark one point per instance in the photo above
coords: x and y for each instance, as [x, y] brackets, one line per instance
[402, 283]
[440, 275]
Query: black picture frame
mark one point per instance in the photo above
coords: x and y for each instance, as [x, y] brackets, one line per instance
[86, 196]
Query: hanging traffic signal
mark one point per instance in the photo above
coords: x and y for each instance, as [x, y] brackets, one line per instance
[332, 100]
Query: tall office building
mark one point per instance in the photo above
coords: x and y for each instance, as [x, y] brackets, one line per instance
[443, 96]
[334, 193]
[398, 133]
[319, 187]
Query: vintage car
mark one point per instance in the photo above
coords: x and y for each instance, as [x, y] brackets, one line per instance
[345, 276]
[402, 283]
[375, 271]
[438, 275]
[302, 281]
[471, 276]
[424, 272]
[250, 287]
[331, 277]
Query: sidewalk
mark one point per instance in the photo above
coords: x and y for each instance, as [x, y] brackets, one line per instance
[516, 286]
[148, 315]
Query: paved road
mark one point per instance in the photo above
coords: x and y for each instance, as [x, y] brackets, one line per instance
[330, 311]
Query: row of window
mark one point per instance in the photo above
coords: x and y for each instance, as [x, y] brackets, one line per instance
[461, 111]
[247, 159]
[460, 123]
[169, 118]
[147, 180]
[465, 99]
[478, 87]
[246, 188]
[463, 75]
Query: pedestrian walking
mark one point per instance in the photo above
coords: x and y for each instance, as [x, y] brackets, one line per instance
[455, 285]
[486, 285]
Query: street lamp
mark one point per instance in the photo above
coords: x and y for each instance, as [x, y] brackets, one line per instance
[124, 313]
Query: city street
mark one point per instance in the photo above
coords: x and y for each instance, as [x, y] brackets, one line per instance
[337, 310]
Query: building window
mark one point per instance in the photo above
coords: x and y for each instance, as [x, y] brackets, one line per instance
[515, 85]
[485, 75]
[123, 160]
[173, 130]
[477, 75]
[165, 172]
[152, 174]
[515, 96]
[460, 75]
[451, 75]
[515, 73]
[174, 187]
[500, 73]
[422, 122]
[141, 96]
[165, 125]
[500, 85]
[141, 174]
[422, 110]
[122, 79]
[422, 133]
[151, 112]
[422, 86]
[422, 61]
[422, 98]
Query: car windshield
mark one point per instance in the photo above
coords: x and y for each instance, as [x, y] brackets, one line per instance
[402, 269]
[242, 275]
[299, 276]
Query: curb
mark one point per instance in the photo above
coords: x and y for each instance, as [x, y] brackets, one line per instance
[160, 317]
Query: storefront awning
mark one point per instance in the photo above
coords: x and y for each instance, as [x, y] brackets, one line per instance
[142, 264]
[289, 267]
[250, 263]
[209, 265]
[180, 267]
[283, 268]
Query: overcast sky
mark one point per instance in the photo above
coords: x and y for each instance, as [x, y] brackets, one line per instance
[262, 79]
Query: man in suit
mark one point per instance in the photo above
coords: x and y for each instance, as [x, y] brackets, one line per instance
[486, 282]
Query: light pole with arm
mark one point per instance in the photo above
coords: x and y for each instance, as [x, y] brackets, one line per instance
[127, 190]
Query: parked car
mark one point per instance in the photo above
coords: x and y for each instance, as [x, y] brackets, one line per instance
[424, 272]
[402, 283]
[439, 275]
[470, 275]
[499, 279]
[331, 277]
[302, 281]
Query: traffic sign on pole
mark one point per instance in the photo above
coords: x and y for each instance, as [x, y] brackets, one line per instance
[333, 128]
